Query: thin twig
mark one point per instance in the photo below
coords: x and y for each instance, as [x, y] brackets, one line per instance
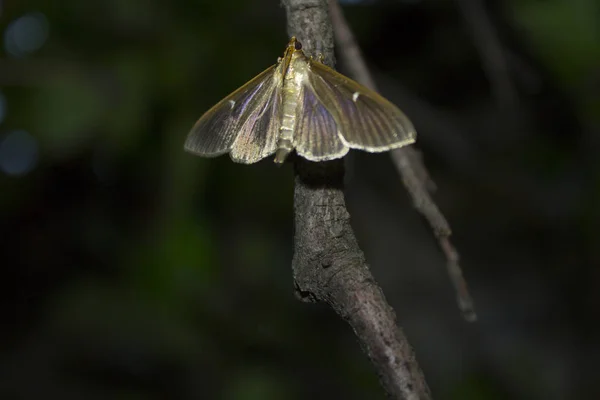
[493, 57]
[408, 162]
[328, 264]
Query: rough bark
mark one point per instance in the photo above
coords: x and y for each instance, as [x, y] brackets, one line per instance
[328, 264]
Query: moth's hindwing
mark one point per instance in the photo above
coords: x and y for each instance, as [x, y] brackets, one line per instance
[316, 137]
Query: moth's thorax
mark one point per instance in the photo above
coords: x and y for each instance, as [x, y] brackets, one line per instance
[297, 68]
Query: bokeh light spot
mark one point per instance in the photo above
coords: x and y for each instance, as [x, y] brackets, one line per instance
[18, 153]
[26, 34]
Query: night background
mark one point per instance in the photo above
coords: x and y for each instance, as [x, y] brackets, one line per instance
[134, 270]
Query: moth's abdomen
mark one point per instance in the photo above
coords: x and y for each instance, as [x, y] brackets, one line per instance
[289, 110]
[288, 114]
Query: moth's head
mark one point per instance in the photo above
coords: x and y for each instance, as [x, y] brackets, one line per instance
[292, 51]
[293, 45]
[297, 44]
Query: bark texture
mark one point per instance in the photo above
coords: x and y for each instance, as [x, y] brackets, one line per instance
[328, 264]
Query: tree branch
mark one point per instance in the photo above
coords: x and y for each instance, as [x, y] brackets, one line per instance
[489, 47]
[328, 264]
[409, 164]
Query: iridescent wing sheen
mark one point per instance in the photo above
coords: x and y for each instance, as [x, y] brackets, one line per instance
[257, 137]
[316, 137]
[245, 123]
[365, 120]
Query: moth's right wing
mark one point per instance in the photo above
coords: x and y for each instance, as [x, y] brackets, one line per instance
[316, 137]
[245, 123]
[365, 120]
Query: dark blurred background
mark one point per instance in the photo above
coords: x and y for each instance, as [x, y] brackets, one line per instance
[133, 270]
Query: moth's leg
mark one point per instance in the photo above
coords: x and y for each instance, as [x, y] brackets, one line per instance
[319, 47]
[320, 58]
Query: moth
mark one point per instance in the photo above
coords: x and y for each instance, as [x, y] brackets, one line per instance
[299, 104]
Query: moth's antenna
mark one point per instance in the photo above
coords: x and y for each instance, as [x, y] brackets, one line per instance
[318, 49]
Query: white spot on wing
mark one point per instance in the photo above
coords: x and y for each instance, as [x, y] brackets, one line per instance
[231, 103]
[355, 96]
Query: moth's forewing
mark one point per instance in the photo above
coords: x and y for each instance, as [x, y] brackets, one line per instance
[365, 120]
[316, 137]
[216, 132]
[257, 137]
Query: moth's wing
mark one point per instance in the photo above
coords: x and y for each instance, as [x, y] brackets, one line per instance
[365, 120]
[316, 137]
[257, 136]
[235, 118]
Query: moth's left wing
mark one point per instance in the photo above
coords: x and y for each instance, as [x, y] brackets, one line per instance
[365, 119]
[258, 135]
[245, 123]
